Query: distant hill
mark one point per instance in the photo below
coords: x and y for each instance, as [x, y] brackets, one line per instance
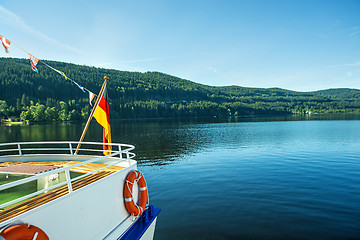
[340, 93]
[47, 96]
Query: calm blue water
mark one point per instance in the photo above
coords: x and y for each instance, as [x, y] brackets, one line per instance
[259, 180]
[239, 180]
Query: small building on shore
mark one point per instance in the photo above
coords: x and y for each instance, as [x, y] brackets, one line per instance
[11, 120]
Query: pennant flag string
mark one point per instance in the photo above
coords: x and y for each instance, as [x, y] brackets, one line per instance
[34, 61]
[60, 72]
[81, 87]
[67, 78]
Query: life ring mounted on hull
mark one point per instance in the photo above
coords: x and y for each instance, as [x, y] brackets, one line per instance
[133, 208]
[23, 232]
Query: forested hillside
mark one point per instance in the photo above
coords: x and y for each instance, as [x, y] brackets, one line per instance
[341, 94]
[47, 96]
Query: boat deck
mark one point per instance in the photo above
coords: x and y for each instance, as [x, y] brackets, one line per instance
[51, 195]
[89, 167]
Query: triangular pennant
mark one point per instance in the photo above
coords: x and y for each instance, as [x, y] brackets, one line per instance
[5, 43]
[91, 97]
[82, 88]
[33, 62]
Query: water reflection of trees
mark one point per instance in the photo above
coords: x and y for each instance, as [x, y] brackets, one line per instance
[157, 142]
[41, 132]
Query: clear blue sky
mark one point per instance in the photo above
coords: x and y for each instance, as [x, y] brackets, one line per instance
[300, 45]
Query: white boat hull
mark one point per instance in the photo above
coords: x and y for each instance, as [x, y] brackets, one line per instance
[93, 212]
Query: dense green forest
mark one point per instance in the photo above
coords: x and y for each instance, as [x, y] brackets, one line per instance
[47, 96]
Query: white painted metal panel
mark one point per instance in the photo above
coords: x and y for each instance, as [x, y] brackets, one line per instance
[88, 213]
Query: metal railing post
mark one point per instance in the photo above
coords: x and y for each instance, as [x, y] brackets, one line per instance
[120, 154]
[68, 180]
[20, 152]
[71, 150]
[127, 148]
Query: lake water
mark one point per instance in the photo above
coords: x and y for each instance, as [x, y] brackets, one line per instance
[239, 178]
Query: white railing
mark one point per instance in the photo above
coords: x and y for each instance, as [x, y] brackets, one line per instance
[23, 149]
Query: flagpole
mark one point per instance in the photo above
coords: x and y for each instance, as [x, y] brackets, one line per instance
[91, 114]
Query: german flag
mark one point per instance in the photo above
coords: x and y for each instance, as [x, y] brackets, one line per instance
[102, 116]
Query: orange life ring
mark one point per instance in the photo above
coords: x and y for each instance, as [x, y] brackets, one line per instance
[133, 208]
[23, 232]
